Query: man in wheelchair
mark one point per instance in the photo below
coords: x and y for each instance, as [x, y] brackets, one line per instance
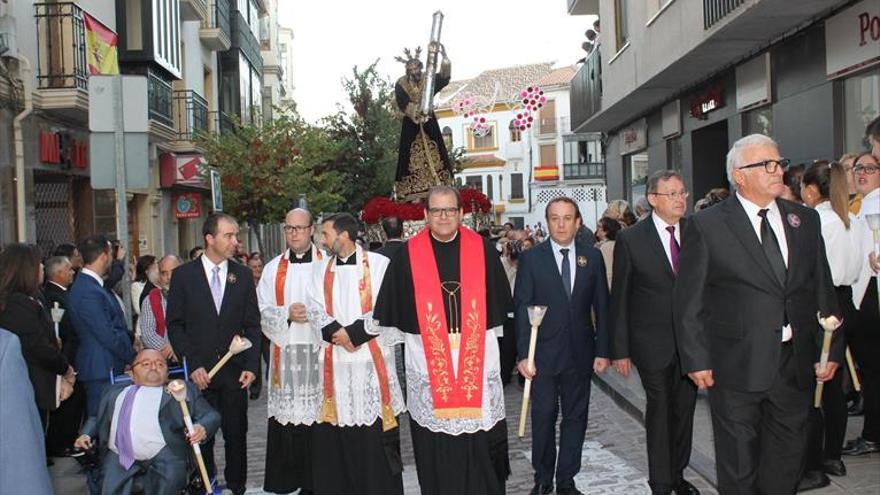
[140, 430]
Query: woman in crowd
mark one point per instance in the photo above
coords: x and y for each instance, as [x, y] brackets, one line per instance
[824, 188]
[23, 313]
[855, 199]
[864, 338]
[792, 180]
[606, 234]
[618, 209]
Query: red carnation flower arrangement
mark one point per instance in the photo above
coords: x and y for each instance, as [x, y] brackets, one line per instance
[472, 201]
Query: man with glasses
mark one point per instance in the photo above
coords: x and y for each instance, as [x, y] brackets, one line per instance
[294, 389]
[645, 268]
[752, 277]
[140, 430]
[448, 295]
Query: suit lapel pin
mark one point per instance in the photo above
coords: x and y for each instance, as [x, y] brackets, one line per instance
[231, 278]
[794, 220]
[582, 261]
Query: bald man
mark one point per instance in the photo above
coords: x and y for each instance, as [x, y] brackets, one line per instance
[140, 430]
[154, 333]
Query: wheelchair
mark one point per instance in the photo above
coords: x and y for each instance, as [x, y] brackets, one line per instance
[194, 484]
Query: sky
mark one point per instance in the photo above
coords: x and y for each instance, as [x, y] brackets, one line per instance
[332, 36]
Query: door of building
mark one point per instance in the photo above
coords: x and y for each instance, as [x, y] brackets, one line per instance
[710, 146]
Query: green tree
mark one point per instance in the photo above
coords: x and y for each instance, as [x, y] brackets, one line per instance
[266, 167]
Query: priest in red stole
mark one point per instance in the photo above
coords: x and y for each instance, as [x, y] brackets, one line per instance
[448, 295]
[293, 383]
[356, 440]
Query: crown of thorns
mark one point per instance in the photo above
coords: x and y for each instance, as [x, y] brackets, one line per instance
[408, 57]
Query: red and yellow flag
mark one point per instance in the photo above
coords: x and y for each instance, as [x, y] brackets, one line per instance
[101, 54]
[546, 172]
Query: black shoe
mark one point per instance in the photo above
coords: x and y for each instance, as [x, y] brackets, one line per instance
[540, 489]
[860, 446]
[813, 480]
[834, 467]
[857, 407]
[568, 490]
[686, 488]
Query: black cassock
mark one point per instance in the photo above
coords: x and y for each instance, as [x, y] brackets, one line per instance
[414, 177]
[468, 463]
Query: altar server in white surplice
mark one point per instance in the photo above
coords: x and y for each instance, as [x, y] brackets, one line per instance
[356, 441]
[293, 383]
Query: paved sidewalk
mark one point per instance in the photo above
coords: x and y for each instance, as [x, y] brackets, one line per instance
[863, 473]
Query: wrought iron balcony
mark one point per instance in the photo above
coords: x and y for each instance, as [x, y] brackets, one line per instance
[61, 46]
[586, 90]
[215, 32]
[715, 10]
[190, 115]
[595, 170]
[159, 99]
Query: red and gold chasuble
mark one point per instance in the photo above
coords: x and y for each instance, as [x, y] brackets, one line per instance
[280, 281]
[454, 396]
[365, 289]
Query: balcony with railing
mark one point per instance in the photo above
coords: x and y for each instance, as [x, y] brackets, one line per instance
[575, 171]
[715, 10]
[62, 71]
[159, 105]
[193, 10]
[586, 90]
[215, 32]
[190, 119]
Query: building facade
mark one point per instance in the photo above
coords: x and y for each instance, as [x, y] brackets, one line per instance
[202, 66]
[521, 170]
[673, 86]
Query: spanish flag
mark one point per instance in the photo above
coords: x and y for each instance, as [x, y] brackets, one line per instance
[546, 172]
[101, 53]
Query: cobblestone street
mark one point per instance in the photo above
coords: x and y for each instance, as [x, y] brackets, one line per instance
[614, 457]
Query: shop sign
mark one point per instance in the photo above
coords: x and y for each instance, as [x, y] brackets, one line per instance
[634, 138]
[710, 100]
[852, 39]
[187, 205]
[59, 148]
[189, 170]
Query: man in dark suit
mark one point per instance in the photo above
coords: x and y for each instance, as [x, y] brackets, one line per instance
[210, 301]
[144, 433]
[65, 421]
[641, 327]
[569, 278]
[752, 278]
[105, 342]
[393, 228]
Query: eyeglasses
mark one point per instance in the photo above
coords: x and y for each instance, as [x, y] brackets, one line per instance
[673, 195]
[296, 229]
[865, 169]
[447, 212]
[770, 166]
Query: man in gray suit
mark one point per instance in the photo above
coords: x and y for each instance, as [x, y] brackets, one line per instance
[23, 454]
[141, 431]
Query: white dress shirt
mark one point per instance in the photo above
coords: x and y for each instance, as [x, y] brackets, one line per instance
[774, 216]
[557, 254]
[58, 285]
[146, 434]
[843, 247]
[870, 205]
[209, 272]
[94, 275]
[664, 235]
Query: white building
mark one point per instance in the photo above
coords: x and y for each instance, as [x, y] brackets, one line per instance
[522, 170]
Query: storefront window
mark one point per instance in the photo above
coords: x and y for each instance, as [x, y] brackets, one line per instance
[861, 105]
[638, 176]
[758, 121]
